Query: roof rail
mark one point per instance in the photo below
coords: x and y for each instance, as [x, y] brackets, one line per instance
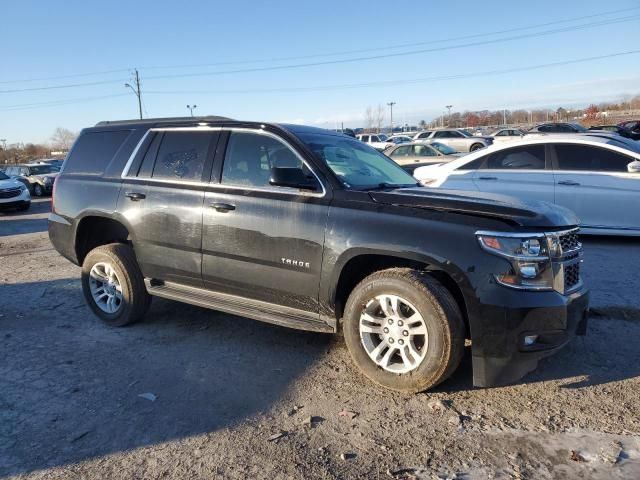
[144, 121]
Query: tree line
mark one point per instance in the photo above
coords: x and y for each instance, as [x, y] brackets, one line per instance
[59, 143]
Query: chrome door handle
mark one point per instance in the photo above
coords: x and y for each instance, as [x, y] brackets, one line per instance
[487, 178]
[568, 182]
[222, 207]
[135, 196]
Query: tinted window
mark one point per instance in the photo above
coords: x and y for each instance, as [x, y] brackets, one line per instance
[182, 155]
[502, 133]
[41, 170]
[584, 157]
[251, 156]
[547, 128]
[424, 135]
[474, 165]
[93, 151]
[530, 157]
[364, 138]
[442, 135]
[401, 151]
[374, 138]
[146, 167]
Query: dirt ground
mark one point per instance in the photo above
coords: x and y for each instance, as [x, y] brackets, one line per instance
[192, 393]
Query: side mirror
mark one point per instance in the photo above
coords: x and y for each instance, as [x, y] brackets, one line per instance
[634, 167]
[292, 178]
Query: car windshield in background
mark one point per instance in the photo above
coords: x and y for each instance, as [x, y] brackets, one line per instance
[443, 149]
[3, 176]
[357, 165]
[383, 137]
[42, 170]
[579, 128]
[466, 133]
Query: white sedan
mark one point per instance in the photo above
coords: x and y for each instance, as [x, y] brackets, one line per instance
[596, 177]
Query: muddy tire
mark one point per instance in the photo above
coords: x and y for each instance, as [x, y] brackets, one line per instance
[404, 330]
[113, 285]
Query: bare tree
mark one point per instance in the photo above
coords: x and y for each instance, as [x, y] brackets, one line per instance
[379, 117]
[369, 119]
[63, 138]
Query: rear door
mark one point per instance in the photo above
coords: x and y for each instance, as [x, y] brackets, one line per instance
[260, 241]
[162, 200]
[522, 172]
[594, 183]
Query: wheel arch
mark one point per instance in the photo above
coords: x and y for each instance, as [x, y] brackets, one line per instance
[352, 269]
[98, 228]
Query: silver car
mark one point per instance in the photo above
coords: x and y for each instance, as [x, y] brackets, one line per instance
[459, 140]
[418, 154]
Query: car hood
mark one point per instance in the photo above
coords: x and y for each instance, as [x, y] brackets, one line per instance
[10, 183]
[513, 210]
[46, 175]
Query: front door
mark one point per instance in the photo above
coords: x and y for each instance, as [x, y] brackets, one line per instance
[162, 200]
[521, 172]
[594, 183]
[260, 241]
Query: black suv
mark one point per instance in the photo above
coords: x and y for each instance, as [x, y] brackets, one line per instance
[311, 229]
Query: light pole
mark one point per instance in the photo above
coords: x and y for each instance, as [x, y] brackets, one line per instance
[136, 90]
[448, 107]
[192, 108]
[391, 104]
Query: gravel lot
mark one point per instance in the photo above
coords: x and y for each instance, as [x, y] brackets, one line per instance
[233, 398]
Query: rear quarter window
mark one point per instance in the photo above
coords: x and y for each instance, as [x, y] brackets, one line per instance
[93, 151]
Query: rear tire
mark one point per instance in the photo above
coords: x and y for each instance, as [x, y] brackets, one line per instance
[113, 285]
[421, 322]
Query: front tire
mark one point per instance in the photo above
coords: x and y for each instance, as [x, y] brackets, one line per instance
[476, 146]
[404, 330]
[38, 191]
[113, 285]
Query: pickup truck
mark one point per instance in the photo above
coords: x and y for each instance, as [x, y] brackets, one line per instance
[310, 229]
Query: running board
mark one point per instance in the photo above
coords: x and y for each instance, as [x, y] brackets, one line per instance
[243, 307]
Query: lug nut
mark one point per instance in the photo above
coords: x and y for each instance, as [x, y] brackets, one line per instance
[385, 330]
[405, 333]
[391, 340]
[401, 342]
[390, 321]
[400, 323]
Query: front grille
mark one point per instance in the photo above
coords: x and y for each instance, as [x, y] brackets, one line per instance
[569, 241]
[10, 192]
[571, 276]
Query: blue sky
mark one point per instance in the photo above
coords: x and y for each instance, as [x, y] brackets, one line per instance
[44, 39]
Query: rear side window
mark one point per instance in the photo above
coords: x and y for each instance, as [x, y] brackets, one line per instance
[530, 157]
[93, 151]
[584, 157]
[182, 156]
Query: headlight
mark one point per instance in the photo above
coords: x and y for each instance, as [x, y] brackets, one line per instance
[47, 180]
[425, 182]
[23, 187]
[528, 255]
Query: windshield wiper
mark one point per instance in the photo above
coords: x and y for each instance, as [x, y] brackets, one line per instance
[389, 185]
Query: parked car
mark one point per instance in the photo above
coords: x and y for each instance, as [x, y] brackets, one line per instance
[556, 127]
[622, 131]
[346, 131]
[53, 162]
[633, 125]
[13, 194]
[506, 135]
[398, 139]
[378, 141]
[456, 139]
[417, 154]
[309, 229]
[37, 177]
[598, 178]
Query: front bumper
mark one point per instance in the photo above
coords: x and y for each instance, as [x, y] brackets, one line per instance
[21, 200]
[500, 355]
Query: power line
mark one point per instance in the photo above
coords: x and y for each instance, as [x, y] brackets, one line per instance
[333, 87]
[397, 82]
[341, 61]
[391, 47]
[318, 55]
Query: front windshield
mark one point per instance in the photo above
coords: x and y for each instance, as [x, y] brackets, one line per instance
[3, 176]
[357, 165]
[443, 149]
[41, 170]
[383, 137]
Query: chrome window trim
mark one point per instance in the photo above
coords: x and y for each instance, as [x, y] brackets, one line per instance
[273, 189]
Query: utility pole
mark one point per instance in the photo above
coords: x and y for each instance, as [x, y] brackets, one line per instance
[448, 107]
[391, 104]
[504, 117]
[136, 90]
[192, 108]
